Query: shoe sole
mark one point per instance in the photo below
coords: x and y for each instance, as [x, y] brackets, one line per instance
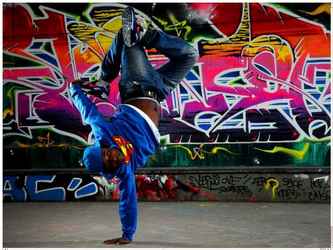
[128, 30]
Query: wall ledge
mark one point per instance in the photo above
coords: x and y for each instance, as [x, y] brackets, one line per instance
[193, 170]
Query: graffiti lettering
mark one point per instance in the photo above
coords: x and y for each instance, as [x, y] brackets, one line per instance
[288, 194]
[250, 186]
[250, 80]
[12, 191]
[279, 187]
[244, 190]
[47, 188]
[319, 195]
[257, 83]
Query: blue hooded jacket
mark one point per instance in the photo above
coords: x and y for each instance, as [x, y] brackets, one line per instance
[128, 131]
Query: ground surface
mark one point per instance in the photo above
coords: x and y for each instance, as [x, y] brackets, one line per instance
[164, 224]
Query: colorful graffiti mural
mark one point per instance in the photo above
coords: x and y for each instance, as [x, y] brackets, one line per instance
[69, 187]
[172, 187]
[260, 90]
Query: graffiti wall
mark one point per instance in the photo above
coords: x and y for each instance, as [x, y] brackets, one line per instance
[259, 94]
[172, 187]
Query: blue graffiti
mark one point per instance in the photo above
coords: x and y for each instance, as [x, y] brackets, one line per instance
[34, 188]
[74, 184]
[11, 190]
[87, 190]
[36, 194]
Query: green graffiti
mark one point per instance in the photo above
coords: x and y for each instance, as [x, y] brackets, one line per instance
[181, 28]
[200, 153]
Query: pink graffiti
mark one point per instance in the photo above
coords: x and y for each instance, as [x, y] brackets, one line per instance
[270, 74]
[49, 103]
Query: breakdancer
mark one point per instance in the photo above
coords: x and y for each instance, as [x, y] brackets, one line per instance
[125, 141]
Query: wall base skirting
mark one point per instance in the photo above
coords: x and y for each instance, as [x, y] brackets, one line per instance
[261, 185]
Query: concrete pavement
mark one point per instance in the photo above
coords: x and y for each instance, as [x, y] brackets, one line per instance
[168, 224]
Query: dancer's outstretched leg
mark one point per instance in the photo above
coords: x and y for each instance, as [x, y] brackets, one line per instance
[137, 74]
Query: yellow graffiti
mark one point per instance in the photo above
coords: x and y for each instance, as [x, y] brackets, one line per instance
[199, 153]
[271, 43]
[274, 184]
[113, 26]
[46, 142]
[43, 145]
[299, 154]
[103, 16]
[84, 32]
[284, 53]
[193, 155]
[7, 112]
[243, 33]
[95, 40]
[216, 149]
[323, 8]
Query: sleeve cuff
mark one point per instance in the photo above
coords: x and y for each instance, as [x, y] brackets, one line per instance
[127, 236]
[74, 89]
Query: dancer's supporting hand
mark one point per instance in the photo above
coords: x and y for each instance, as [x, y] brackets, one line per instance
[117, 241]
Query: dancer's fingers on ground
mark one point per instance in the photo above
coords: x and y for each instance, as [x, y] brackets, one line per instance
[117, 241]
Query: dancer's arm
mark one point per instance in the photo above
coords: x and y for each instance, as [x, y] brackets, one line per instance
[128, 204]
[85, 106]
